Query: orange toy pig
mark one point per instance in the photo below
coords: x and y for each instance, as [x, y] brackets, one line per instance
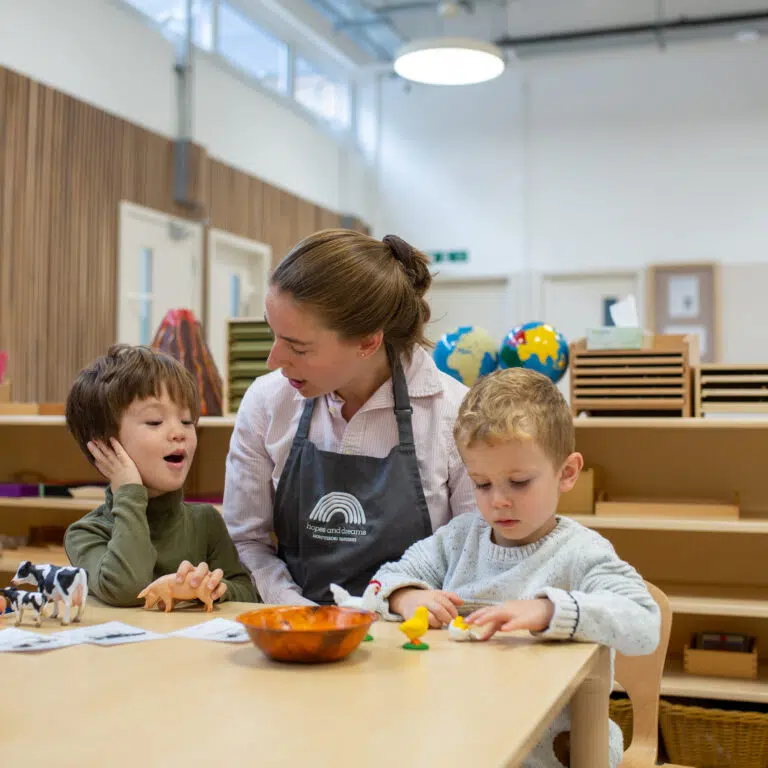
[167, 589]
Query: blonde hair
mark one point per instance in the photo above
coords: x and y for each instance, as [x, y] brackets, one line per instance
[514, 404]
[358, 285]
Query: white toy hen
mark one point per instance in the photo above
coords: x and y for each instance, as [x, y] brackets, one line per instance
[367, 602]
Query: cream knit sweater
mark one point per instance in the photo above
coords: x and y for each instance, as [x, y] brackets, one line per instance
[597, 596]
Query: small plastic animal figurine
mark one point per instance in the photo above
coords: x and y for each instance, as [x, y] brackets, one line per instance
[3, 606]
[167, 589]
[367, 602]
[414, 628]
[19, 600]
[460, 631]
[64, 585]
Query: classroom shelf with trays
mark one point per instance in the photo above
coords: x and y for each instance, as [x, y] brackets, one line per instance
[713, 570]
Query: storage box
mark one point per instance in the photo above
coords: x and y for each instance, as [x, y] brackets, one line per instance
[674, 508]
[18, 490]
[720, 663]
[614, 337]
[580, 500]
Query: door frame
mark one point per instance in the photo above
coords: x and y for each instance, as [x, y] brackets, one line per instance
[540, 279]
[215, 235]
[127, 208]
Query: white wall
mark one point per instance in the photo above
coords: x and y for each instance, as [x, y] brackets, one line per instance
[602, 161]
[106, 55]
[450, 171]
[646, 157]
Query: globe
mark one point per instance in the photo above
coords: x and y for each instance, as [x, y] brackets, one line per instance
[467, 354]
[537, 346]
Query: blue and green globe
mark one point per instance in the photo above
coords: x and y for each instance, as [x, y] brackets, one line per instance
[537, 346]
[467, 354]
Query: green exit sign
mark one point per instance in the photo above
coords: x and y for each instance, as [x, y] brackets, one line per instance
[440, 257]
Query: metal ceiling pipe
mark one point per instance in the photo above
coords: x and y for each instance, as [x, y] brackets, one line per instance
[682, 24]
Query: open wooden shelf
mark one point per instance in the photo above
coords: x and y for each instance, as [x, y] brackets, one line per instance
[677, 683]
[640, 422]
[581, 422]
[10, 558]
[744, 525]
[49, 502]
[60, 421]
[718, 606]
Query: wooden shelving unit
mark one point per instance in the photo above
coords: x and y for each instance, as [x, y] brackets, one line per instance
[42, 451]
[713, 570]
[249, 341]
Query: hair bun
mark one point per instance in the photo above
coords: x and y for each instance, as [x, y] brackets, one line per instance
[415, 264]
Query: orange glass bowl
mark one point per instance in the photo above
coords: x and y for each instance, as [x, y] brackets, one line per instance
[307, 634]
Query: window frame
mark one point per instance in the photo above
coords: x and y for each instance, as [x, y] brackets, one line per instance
[344, 132]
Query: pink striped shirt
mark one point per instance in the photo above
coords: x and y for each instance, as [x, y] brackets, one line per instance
[264, 429]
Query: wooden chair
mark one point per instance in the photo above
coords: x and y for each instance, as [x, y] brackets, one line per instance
[640, 676]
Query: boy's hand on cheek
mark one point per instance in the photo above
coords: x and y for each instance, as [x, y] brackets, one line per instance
[534, 615]
[114, 463]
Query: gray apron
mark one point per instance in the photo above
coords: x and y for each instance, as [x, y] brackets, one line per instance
[339, 517]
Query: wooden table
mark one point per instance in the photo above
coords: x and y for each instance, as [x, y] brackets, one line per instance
[182, 702]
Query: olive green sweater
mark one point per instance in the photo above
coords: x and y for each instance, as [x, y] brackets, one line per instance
[131, 540]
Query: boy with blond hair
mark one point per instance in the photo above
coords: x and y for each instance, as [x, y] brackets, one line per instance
[516, 565]
[134, 413]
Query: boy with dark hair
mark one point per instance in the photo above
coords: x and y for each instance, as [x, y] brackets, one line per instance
[134, 412]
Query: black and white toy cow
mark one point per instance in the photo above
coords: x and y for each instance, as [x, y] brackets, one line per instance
[60, 584]
[19, 601]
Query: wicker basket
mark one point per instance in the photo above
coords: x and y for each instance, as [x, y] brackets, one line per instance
[714, 738]
[620, 711]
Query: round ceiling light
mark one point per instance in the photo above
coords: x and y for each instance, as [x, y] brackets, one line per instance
[449, 61]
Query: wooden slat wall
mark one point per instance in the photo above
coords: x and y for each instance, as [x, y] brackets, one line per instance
[248, 207]
[64, 168]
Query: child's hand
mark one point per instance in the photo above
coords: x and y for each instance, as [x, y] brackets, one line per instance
[533, 615]
[440, 604]
[201, 573]
[114, 463]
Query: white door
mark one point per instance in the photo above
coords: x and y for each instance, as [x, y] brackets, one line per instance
[573, 303]
[160, 268]
[481, 302]
[238, 272]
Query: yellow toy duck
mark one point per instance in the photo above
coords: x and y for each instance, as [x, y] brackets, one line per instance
[414, 628]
